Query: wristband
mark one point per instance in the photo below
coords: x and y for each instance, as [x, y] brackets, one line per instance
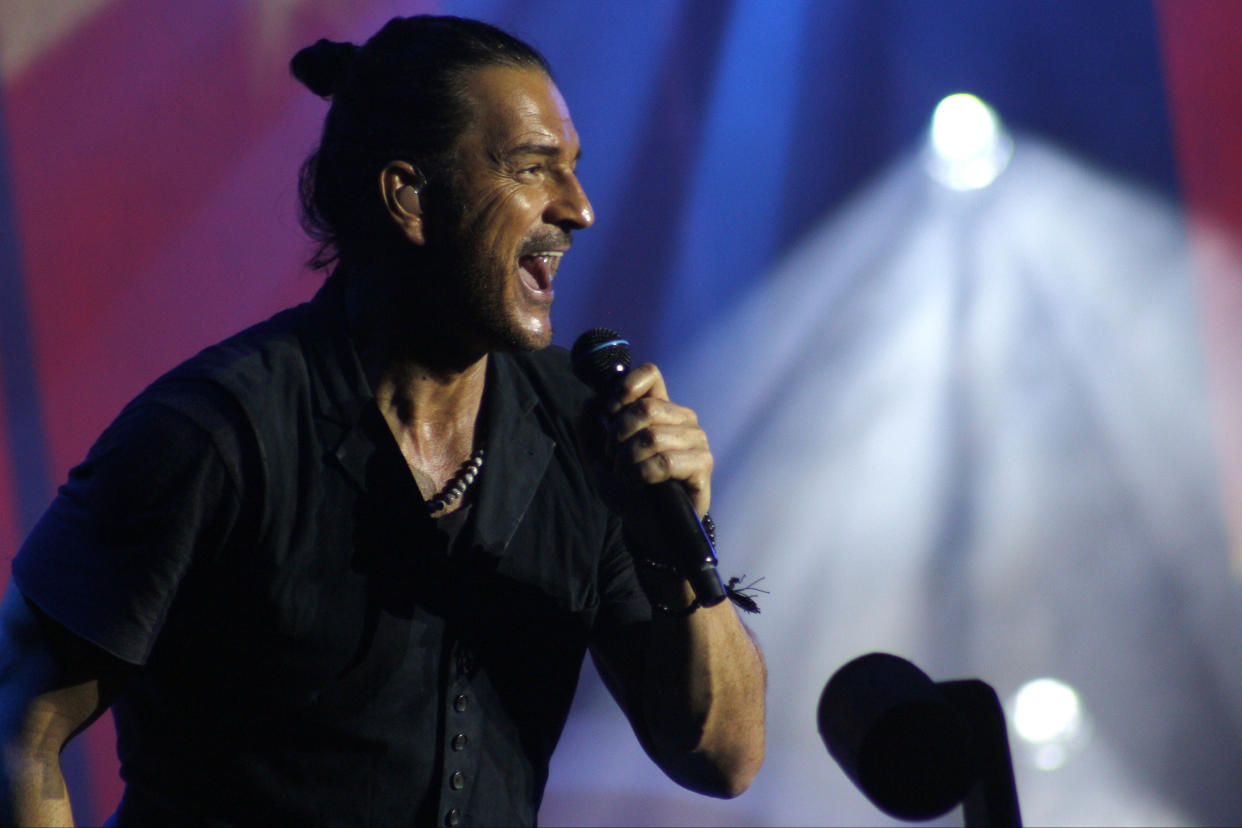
[740, 596]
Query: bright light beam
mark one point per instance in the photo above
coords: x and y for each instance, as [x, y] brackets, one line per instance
[967, 147]
[1048, 716]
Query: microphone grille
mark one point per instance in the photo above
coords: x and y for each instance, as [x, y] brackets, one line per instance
[598, 356]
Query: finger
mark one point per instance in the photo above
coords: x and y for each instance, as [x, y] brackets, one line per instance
[686, 465]
[692, 468]
[648, 412]
[653, 440]
[643, 381]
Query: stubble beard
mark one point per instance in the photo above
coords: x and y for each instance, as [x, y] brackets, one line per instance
[482, 279]
[479, 280]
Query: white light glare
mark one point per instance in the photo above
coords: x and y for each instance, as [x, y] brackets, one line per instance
[1048, 716]
[967, 148]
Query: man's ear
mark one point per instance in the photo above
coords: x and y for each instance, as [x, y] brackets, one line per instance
[401, 186]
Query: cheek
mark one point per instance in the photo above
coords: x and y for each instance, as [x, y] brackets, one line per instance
[506, 211]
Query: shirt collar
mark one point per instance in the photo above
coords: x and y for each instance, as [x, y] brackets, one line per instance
[518, 451]
[340, 386]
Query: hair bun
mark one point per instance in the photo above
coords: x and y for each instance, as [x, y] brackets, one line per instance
[322, 66]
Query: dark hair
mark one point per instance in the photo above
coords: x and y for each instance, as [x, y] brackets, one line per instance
[398, 96]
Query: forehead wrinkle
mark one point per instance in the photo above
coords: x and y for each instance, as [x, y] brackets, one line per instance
[508, 132]
[528, 113]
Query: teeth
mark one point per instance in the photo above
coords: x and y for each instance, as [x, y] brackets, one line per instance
[549, 257]
[542, 267]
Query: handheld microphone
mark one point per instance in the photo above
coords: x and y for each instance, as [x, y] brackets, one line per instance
[600, 357]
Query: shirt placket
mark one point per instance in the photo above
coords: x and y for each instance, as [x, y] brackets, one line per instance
[462, 734]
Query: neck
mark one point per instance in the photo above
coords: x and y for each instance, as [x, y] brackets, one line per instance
[427, 383]
[432, 405]
[400, 311]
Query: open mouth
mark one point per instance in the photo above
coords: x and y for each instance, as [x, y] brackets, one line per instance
[538, 269]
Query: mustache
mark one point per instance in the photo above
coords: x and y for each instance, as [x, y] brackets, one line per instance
[545, 240]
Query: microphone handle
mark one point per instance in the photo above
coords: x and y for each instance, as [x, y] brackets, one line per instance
[669, 509]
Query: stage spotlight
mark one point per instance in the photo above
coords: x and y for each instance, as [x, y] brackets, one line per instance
[1048, 717]
[967, 146]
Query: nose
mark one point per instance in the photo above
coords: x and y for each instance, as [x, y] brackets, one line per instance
[571, 206]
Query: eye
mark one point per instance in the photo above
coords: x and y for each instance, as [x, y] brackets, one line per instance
[531, 170]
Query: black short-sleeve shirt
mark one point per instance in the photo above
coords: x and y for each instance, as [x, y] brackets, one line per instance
[311, 647]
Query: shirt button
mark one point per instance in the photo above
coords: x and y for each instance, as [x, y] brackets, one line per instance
[457, 781]
[452, 817]
[459, 741]
[459, 703]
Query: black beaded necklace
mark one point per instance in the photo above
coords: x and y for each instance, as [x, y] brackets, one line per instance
[457, 484]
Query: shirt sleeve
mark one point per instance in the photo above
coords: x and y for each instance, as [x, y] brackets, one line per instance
[622, 600]
[107, 558]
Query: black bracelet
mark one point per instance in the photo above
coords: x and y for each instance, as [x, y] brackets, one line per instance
[739, 596]
[709, 526]
[658, 566]
[681, 613]
[660, 606]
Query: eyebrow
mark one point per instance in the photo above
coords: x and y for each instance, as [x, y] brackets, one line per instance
[546, 150]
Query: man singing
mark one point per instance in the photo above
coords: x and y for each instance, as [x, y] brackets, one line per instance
[343, 567]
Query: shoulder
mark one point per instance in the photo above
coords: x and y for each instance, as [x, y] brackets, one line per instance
[249, 361]
[250, 376]
[225, 392]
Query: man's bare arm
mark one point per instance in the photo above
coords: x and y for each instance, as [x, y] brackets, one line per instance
[694, 689]
[693, 685]
[49, 691]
